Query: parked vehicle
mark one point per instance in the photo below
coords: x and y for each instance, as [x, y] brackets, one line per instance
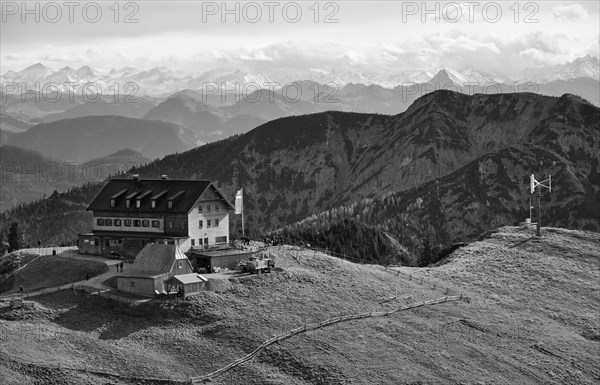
[257, 265]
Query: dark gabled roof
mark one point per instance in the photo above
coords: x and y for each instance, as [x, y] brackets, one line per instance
[184, 193]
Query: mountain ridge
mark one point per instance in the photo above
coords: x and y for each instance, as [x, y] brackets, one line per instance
[294, 167]
[160, 81]
[85, 138]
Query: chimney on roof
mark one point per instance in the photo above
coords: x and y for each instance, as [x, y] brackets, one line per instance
[136, 177]
[163, 177]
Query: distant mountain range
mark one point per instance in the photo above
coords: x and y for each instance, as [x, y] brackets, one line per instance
[213, 114]
[28, 175]
[85, 138]
[207, 121]
[452, 164]
[104, 107]
[161, 81]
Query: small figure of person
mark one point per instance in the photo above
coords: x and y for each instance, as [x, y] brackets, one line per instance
[121, 267]
[20, 288]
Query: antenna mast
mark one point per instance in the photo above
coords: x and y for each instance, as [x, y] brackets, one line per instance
[533, 183]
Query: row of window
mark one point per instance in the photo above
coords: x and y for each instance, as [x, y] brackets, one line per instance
[215, 205]
[148, 223]
[201, 242]
[128, 222]
[201, 223]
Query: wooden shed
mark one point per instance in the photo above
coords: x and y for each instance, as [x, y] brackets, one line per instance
[208, 260]
[153, 266]
[189, 284]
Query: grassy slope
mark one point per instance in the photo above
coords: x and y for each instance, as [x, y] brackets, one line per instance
[52, 271]
[530, 320]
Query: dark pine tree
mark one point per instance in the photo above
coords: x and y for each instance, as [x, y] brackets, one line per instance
[426, 252]
[15, 237]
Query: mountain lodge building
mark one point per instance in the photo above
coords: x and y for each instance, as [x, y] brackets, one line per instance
[131, 213]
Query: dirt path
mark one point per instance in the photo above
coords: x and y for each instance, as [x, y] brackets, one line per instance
[70, 253]
[97, 281]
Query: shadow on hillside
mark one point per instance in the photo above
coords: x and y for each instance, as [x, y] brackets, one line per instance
[112, 320]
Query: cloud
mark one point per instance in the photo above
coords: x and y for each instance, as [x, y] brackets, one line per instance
[13, 56]
[256, 55]
[573, 12]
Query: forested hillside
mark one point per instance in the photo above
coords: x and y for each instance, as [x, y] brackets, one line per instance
[464, 156]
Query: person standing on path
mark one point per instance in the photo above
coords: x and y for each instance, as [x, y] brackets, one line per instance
[121, 267]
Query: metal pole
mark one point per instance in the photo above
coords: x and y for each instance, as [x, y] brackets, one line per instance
[243, 231]
[530, 209]
[539, 216]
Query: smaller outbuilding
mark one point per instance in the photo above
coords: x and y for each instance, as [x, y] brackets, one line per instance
[158, 269]
[186, 284]
[226, 258]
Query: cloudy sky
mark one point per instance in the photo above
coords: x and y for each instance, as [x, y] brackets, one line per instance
[343, 35]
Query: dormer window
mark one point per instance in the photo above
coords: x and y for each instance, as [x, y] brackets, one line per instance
[200, 208]
[172, 199]
[158, 196]
[117, 196]
[141, 197]
[128, 199]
